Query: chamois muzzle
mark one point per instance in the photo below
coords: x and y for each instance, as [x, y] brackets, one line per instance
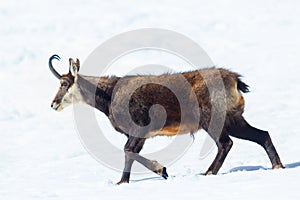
[54, 105]
[56, 74]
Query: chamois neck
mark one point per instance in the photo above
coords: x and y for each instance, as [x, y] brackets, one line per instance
[97, 91]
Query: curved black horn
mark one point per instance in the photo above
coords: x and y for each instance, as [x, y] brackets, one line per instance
[56, 74]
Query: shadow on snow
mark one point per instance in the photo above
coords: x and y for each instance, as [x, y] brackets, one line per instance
[236, 169]
[258, 167]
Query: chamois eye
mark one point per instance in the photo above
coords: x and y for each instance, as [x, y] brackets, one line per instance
[64, 84]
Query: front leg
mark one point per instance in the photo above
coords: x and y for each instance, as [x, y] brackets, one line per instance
[152, 165]
[135, 145]
[132, 148]
[126, 172]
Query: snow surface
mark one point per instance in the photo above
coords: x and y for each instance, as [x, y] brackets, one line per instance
[41, 156]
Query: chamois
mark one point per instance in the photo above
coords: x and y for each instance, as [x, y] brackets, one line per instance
[98, 92]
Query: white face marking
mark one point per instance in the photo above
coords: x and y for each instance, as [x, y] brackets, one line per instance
[72, 96]
[69, 96]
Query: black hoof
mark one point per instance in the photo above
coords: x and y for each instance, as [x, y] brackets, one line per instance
[164, 173]
[125, 178]
[122, 181]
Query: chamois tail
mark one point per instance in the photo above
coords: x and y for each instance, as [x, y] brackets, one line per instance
[242, 86]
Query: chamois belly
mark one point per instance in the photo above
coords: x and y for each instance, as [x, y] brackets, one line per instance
[173, 130]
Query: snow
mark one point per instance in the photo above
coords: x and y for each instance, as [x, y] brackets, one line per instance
[41, 156]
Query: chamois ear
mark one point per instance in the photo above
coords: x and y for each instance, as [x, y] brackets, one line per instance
[78, 64]
[74, 67]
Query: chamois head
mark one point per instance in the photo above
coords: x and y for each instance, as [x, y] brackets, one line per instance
[68, 92]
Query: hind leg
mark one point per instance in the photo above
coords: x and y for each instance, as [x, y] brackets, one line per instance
[242, 130]
[224, 144]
